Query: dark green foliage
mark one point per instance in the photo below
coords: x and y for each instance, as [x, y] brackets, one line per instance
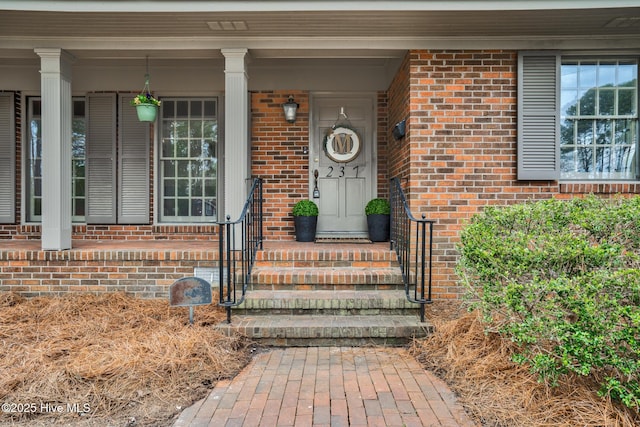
[305, 208]
[561, 279]
[377, 206]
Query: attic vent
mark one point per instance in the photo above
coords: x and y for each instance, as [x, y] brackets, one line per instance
[227, 25]
[624, 22]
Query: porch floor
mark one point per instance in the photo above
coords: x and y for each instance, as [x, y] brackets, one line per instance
[186, 245]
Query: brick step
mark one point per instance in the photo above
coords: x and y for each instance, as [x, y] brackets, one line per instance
[325, 330]
[319, 257]
[315, 302]
[328, 278]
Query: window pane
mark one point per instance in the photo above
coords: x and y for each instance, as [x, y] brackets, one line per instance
[626, 102]
[625, 132]
[210, 187]
[168, 111]
[79, 187]
[584, 157]
[196, 129]
[169, 207]
[604, 129]
[585, 132]
[607, 74]
[569, 102]
[182, 148]
[196, 187]
[169, 187]
[169, 168]
[183, 207]
[196, 108]
[588, 103]
[606, 102]
[196, 148]
[183, 188]
[587, 76]
[567, 133]
[182, 109]
[37, 187]
[623, 160]
[210, 109]
[604, 142]
[183, 168]
[569, 79]
[628, 75]
[168, 148]
[181, 128]
[79, 207]
[190, 166]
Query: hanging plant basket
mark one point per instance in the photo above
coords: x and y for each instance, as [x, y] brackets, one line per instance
[147, 112]
[146, 104]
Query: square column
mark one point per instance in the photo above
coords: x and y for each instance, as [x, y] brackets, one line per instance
[236, 132]
[55, 90]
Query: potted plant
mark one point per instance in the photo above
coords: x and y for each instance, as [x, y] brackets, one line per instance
[305, 217]
[146, 107]
[378, 213]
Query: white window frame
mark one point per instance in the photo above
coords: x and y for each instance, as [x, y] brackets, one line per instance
[596, 119]
[539, 116]
[216, 207]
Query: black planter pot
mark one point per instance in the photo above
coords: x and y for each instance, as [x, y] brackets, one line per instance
[305, 228]
[378, 225]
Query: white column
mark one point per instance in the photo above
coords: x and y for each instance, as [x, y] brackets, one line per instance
[55, 90]
[236, 134]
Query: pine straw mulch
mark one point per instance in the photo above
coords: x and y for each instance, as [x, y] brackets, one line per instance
[126, 361]
[497, 392]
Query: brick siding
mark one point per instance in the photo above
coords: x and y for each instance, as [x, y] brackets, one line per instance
[143, 273]
[461, 146]
[458, 156]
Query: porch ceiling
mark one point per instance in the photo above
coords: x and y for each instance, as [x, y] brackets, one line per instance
[311, 33]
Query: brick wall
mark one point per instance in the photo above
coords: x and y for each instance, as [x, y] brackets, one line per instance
[462, 146]
[277, 156]
[143, 273]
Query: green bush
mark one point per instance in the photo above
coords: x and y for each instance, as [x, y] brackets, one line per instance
[561, 279]
[377, 206]
[305, 208]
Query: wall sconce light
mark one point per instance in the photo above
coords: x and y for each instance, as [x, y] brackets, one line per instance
[290, 108]
[399, 130]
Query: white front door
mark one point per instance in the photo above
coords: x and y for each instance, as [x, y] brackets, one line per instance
[342, 151]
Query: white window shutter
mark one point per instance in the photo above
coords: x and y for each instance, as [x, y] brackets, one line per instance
[101, 159]
[133, 153]
[7, 159]
[538, 116]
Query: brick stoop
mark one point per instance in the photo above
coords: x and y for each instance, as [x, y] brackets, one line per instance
[313, 295]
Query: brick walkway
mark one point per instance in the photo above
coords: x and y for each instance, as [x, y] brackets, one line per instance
[329, 386]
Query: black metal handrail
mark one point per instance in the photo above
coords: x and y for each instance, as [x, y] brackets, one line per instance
[415, 254]
[239, 243]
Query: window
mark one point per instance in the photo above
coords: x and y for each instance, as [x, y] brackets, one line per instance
[188, 160]
[598, 122]
[34, 161]
[577, 118]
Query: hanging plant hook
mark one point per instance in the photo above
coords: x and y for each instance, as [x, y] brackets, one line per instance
[145, 96]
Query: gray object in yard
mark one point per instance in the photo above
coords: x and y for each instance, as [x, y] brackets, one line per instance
[189, 292]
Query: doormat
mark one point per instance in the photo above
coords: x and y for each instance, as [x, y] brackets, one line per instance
[357, 240]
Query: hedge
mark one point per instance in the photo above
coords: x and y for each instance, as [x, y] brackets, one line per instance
[561, 279]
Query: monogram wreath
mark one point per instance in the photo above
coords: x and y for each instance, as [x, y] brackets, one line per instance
[341, 143]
